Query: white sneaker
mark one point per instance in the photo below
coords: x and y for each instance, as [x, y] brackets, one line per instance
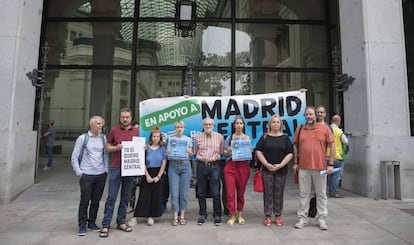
[150, 221]
[46, 168]
[301, 223]
[323, 226]
[132, 221]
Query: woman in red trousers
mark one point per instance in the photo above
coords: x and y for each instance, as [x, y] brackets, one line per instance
[236, 174]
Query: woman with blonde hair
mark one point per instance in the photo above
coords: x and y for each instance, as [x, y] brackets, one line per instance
[274, 150]
[179, 175]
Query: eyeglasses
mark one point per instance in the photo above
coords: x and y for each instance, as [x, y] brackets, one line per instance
[208, 124]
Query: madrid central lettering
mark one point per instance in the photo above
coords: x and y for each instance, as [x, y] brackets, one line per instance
[132, 166]
[254, 126]
[289, 106]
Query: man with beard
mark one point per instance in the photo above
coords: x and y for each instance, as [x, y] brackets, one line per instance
[123, 132]
[309, 160]
[208, 147]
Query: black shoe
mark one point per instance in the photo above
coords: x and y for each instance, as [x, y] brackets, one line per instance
[82, 230]
[94, 227]
[201, 220]
[217, 221]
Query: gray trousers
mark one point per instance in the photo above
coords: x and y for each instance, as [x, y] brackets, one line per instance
[306, 178]
[274, 187]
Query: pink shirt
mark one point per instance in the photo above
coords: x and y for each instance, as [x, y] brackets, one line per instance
[208, 148]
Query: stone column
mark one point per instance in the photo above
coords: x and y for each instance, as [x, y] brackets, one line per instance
[376, 104]
[19, 47]
[103, 54]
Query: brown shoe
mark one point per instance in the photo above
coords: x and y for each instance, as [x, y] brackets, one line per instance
[336, 195]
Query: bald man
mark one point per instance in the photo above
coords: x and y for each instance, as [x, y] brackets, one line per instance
[340, 140]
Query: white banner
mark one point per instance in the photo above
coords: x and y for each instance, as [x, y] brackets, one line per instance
[255, 109]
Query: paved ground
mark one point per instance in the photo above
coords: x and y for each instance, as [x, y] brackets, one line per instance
[47, 214]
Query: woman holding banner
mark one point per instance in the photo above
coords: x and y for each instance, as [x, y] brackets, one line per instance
[179, 151]
[236, 171]
[150, 195]
[274, 150]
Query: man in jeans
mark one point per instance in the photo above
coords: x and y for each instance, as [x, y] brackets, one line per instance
[49, 142]
[123, 132]
[208, 147]
[309, 159]
[340, 140]
[90, 163]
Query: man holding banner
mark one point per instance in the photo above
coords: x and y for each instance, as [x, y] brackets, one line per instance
[123, 132]
[208, 147]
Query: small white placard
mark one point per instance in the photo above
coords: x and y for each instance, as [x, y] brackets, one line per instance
[133, 157]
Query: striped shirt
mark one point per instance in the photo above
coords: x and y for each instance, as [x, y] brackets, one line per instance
[208, 148]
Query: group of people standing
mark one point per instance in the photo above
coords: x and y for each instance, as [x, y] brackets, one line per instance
[274, 152]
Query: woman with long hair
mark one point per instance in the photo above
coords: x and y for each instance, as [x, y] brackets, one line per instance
[236, 175]
[150, 195]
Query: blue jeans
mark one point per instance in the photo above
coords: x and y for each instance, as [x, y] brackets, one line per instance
[49, 152]
[115, 180]
[333, 179]
[179, 176]
[209, 174]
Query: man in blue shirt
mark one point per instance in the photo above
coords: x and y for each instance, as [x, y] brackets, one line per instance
[90, 163]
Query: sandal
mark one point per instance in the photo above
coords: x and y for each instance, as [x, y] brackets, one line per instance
[183, 221]
[174, 222]
[241, 220]
[104, 232]
[231, 220]
[124, 227]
